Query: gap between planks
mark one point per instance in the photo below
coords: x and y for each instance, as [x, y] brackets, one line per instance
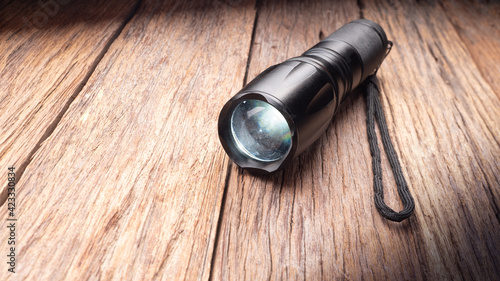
[230, 163]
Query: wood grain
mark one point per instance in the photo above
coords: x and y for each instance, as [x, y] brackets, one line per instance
[125, 178]
[449, 144]
[45, 59]
[316, 219]
[129, 185]
[478, 24]
[293, 224]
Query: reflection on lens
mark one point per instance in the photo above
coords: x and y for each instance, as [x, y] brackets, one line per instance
[260, 131]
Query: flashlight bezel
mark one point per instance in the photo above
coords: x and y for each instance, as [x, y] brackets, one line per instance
[229, 143]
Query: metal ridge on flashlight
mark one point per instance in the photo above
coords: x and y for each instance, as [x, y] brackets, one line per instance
[286, 108]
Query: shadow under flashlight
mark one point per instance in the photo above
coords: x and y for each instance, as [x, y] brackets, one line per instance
[286, 108]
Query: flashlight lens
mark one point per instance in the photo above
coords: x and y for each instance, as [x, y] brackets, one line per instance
[260, 131]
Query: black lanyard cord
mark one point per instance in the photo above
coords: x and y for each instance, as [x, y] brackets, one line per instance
[375, 111]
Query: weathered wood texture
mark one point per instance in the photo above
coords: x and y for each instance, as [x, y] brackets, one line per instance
[478, 25]
[129, 185]
[132, 183]
[45, 57]
[450, 143]
[317, 220]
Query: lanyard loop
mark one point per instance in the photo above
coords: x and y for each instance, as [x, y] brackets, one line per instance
[375, 111]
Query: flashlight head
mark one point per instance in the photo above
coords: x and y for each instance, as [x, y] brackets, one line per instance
[276, 116]
[256, 132]
[287, 107]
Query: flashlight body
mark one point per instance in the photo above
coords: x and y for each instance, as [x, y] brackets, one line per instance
[309, 89]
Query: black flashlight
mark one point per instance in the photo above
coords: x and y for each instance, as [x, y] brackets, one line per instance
[286, 108]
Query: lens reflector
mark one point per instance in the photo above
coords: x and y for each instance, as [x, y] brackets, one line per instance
[260, 131]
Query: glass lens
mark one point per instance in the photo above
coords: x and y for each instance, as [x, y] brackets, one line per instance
[260, 131]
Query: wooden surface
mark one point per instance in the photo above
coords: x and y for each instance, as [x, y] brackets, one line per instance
[108, 112]
[44, 62]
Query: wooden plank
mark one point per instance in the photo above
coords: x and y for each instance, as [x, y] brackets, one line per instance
[48, 51]
[478, 24]
[317, 220]
[447, 132]
[285, 226]
[129, 185]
